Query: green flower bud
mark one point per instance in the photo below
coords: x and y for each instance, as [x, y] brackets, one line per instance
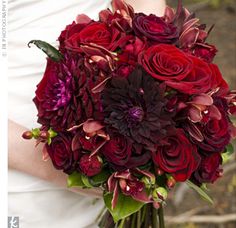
[160, 194]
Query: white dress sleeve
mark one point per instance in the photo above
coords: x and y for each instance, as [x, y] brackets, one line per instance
[40, 204]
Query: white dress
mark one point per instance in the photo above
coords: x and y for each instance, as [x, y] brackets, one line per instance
[40, 204]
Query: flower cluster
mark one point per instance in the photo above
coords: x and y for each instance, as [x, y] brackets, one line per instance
[136, 99]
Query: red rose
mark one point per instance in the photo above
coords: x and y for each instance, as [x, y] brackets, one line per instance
[183, 72]
[154, 28]
[209, 169]
[97, 33]
[205, 51]
[166, 62]
[61, 154]
[75, 27]
[178, 157]
[215, 133]
[123, 154]
[90, 165]
[117, 150]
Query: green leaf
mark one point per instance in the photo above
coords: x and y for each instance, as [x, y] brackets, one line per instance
[86, 182]
[125, 206]
[47, 48]
[200, 191]
[75, 179]
[99, 179]
[229, 150]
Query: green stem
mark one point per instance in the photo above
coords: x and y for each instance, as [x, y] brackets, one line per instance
[144, 210]
[161, 217]
[139, 219]
[121, 225]
[154, 217]
[133, 220]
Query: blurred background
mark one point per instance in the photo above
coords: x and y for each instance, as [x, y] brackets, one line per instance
[185, 208]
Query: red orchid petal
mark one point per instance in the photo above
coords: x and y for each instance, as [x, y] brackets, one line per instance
[169, 14]
[99, 88]
[83, 19]
[115, 196]
[124, 175]
[142, 197]
[189, 37]
[146, 173]
[111, 183]
[190, 23]
[195, 115]
[214, 112]
[194, 132]
[202, 99]
[91, 126]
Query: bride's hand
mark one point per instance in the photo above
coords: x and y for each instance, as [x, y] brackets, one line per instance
[25, 157]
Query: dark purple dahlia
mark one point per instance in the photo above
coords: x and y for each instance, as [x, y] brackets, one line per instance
[135, 107]
[63, 97]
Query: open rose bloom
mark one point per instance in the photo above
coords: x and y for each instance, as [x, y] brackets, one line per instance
[133, 104]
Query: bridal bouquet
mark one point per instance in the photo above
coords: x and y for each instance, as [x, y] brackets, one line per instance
[132, 104]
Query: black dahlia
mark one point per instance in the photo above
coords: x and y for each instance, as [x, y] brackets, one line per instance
[135, 107]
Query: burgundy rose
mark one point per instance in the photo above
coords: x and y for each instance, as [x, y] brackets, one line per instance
[117, 150]
[122, 153]
[81, 22]
[183, 72]
[205, 51]
[178, 157]
[96, 33]
[61, 153]
[154, 28]
[166, 62]
[215, 133]
[90, 165]
[127, 58]
[209, 169]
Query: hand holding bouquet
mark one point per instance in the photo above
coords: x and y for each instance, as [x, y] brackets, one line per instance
[133, 104]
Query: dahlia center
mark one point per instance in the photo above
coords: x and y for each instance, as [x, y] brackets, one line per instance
[136, 114]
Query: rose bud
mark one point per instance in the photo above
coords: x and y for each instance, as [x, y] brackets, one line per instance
[160, 194]
[90, 166]
[170, 182]
[27, 135]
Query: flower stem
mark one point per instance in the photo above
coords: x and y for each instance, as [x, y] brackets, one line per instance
[154, 217]
[161, 217]
[139, 219]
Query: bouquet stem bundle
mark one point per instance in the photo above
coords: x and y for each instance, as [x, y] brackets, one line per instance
[147, 217]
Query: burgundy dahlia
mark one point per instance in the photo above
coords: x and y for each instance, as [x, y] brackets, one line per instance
[134, 106]
[63, 97]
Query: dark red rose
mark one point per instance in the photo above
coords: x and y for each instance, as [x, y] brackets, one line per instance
[127, 58]
[166, 62]
[209, 169]
[117, 150]
[183, 72]
[205, 51]
[61, 154]
[81, 22]
[90, 165]
[154, 29]
[215, 133]
[96, 33]
[178, 157]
